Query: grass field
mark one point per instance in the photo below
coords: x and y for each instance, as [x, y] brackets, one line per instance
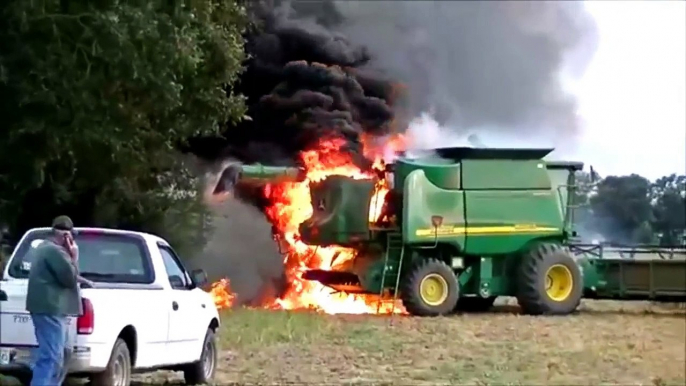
[605, 343]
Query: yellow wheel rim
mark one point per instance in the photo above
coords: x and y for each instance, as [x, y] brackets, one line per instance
[559, 282]
[433, 289]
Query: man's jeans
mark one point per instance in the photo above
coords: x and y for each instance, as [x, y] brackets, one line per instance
[69, 328]
[50, 333]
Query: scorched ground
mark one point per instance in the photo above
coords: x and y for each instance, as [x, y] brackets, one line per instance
[290, 205]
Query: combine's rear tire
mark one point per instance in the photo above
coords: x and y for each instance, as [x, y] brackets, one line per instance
[474, 304]
[549, 281]
[430, 288]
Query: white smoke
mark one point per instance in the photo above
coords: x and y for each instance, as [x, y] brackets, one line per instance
[425, 133]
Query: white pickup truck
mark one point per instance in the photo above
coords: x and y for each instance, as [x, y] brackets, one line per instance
[145, 312]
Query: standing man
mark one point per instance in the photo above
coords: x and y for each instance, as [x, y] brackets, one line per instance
[53, 296]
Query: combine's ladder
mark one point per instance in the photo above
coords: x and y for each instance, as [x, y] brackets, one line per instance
[394, 243]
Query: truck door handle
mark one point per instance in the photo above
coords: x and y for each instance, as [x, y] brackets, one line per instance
[175, 306]
[3, 296]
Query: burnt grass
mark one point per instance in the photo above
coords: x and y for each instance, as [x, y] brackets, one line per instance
[604, 343]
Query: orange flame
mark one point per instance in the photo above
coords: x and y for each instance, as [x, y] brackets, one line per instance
[291, 205]
[221, 292]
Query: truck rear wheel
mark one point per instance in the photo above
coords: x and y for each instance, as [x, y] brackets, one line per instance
[202, 371]
[118, 371]
[549, 281]
[430, 288]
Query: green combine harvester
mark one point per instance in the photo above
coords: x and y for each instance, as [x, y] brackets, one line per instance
[465, 225]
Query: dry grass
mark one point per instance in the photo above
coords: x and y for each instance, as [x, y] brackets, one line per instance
[606, 343]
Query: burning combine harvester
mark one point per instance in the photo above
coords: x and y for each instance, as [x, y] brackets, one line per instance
[443, 232]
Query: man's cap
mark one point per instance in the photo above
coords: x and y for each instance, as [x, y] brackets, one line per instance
[62, 223]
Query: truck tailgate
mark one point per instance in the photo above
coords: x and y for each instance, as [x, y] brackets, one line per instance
[17, 328]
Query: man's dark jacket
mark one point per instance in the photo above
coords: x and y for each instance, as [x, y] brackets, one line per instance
[53, 287]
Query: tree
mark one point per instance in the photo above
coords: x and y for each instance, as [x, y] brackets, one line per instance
[629, 209]
[668, 195]
[620, 206]
[94, 97]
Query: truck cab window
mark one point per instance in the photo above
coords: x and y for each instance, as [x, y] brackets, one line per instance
[175, 271]
[103, 257]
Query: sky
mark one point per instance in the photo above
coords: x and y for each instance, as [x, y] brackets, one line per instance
[632, 96]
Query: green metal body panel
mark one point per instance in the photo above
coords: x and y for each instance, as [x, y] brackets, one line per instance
[504, 175]
[489, 276]
[492, 207]
[505, 221]
[340, 212]
[444, 174]
[422, 200]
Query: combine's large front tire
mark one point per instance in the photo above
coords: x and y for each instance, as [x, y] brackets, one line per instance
[549, 281]
[430, 288]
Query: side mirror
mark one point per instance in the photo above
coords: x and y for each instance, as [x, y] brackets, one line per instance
[199, 277]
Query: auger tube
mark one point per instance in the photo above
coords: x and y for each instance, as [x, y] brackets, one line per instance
[269, 173]
[235, 173]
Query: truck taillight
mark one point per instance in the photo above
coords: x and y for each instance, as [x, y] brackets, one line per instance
[86, 322]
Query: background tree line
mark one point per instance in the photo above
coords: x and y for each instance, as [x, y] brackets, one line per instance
[632, 210]
[98, 96]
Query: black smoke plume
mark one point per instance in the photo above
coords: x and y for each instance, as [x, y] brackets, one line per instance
[480, 64]
[322, 68]
[303, 83]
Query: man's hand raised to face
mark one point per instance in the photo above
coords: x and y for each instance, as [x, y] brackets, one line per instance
[71, 247]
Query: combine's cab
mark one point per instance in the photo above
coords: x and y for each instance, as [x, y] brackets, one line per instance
[340, 212]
